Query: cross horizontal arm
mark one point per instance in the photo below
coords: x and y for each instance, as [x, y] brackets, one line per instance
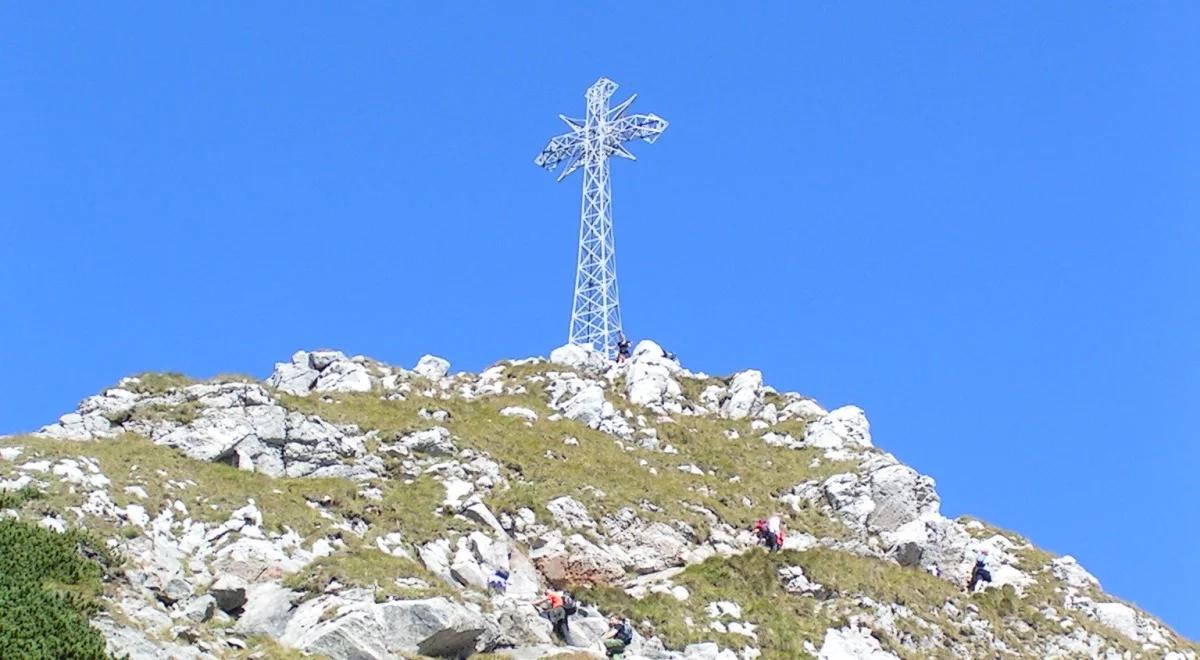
[639, 127]
[560, 148]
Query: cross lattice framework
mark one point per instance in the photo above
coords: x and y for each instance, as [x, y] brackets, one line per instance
[596, 310]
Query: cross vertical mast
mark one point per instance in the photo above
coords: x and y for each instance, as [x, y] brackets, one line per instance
[596, 310]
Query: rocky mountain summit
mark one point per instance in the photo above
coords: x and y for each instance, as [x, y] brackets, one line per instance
[347, 508]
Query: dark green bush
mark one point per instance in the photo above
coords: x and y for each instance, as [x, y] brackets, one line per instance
[11, 499]
[47, 593]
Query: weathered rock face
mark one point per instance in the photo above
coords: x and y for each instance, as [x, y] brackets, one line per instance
[327, 371]
[576, 560]
[845, 427]
[239, 423]
[569, 513]
[579, 357]
[648, 548]
[432, 367]
[267, 609]
[433, 627]
[229, 592]
[436, 627]
[202, 581]
[745, 395]
[584, 401]
[650, 377]
[852, 643]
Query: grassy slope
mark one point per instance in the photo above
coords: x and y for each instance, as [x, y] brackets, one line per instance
[741, 479]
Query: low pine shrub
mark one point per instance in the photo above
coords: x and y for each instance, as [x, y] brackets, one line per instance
[47, 593]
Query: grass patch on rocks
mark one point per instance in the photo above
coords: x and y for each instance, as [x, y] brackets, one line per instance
[784, 621]
[370, 568]
[211, 491]
[739, 481]
[158, 383]
[184, 413]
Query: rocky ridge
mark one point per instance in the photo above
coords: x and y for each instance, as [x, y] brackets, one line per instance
[353, 509]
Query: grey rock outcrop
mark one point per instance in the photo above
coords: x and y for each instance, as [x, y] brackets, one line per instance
[229, 591]
[852, 643]
[650, 379]
[745, 395]
[434, 627]
[844, 427]
[432, 367]
[326, 371]
[579, 357]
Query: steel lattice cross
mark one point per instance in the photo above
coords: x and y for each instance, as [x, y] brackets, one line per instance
[596, 311]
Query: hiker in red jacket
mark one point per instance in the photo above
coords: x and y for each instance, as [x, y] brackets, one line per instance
[559, 606]
[770, 532]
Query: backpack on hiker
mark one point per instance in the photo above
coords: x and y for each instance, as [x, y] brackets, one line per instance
[570, 606]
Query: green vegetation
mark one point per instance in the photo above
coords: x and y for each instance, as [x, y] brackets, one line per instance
[184, 413]
[741, 476]
[266, 648]
[211, 491]
[785, 621]
[368, 567]
[154, 383]
[12, 499]
[47, 592]
[159, 383]
[692, 388]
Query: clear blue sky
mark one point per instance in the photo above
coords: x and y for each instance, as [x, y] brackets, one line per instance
[978, 222]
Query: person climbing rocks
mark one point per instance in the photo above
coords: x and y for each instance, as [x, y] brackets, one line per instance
[560, 605]
[760, 530]
[617, 638]
[623, 350]
[498, 582]
[770, 532]
[980, 572]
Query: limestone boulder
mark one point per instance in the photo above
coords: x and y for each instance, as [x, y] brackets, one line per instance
[570, 513]
[432, 367]
[650, 377]
[434, 627]
[295, 377]
[229, 592]
[901, 495]
[267, 610]
[342, 375]
[577, 560]
[433, 442]
[803, 409]
[579, 356]
[1067, 569]
[852, 642]
[648, 547]
[745, 395]
[844, 427]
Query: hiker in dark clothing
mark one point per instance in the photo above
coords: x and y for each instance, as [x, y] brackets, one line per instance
[498, 582]
[618, 637]
[979, 572]
[623, 350]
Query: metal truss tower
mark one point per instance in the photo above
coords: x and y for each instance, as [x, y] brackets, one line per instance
[596, 311]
